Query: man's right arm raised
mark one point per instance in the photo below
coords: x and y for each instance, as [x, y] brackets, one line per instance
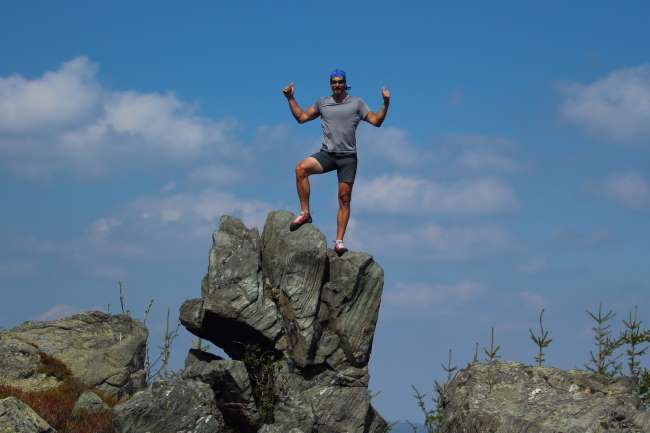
[299, 114]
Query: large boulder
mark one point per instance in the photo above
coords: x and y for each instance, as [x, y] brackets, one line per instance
[231, 385]
[233, 297]
[17, 417]
[170, 406]
[298, 322]
[508, 397]
[100, 350]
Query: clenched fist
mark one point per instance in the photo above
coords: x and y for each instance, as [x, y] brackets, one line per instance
[288, 91]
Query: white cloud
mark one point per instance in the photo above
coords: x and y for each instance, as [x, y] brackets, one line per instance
[533, 300]
[478, 153]
[421, 295]
[432, 241]
[616, 106]
[192, 214]
[630, 189]
[101, 227]
[533, 265]
[483, 160]
[215, 175]
[67, 119]
[406, 195]
[59, 311]
[389, 144]
[584, 238]
[15, 268]
[57, 99]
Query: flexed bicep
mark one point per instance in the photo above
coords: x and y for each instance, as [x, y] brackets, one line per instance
[311, 113]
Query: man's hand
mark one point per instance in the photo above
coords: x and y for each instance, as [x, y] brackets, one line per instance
[385, 93]
[288, 91]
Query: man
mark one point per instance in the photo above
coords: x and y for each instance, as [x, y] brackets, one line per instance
[340, 114]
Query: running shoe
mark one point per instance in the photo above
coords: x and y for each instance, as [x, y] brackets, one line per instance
[339, 248]
[299, 221]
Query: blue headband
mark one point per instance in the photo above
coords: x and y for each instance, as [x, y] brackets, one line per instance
[339, 73]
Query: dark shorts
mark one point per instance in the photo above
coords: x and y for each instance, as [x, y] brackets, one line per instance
[345, 164]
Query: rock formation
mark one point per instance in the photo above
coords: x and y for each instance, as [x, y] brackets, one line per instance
[100, 350]
[508, 397]
[17, 417]
[298, 322]
[89, 403]
[170, 406]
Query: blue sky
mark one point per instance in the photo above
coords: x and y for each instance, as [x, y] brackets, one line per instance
[511, 174]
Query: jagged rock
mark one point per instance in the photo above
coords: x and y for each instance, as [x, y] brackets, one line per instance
[298, 322]
[349, 310]
[323, 401]
[170, 406]
[88, 402]
[231, 385]
[233, 301]
[101, 350]
[294, 264]
[17, 417]
[508, 397]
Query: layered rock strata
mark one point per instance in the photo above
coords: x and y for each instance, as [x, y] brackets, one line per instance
[298, 322]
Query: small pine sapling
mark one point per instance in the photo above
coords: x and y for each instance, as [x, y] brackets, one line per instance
[634, 337]
[604, 362]
[492, 356]
[450, 369]
[432, 419]
[542, 341]
[492, 353]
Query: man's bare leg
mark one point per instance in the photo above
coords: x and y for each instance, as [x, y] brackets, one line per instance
[342, 218]
[304, 169]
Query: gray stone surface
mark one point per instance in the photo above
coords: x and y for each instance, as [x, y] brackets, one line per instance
[17, 417]
[298, 322]
[349, 310]
[170, 406]
[88, 402]
[231, 385]
[294, 265]
[101, 350]
[233, 300]
[324, 402]
[507, 397]
[21, 365]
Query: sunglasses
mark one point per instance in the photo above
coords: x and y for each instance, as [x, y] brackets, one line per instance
[337, 81]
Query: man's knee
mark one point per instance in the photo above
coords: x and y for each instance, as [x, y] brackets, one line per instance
[344, 200]
[301, 170]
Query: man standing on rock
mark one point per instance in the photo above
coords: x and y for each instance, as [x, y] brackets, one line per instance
[340, 114]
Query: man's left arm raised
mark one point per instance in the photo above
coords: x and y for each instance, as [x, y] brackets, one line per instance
[376, 119]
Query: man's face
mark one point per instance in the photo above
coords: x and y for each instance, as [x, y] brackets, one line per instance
[338, 85]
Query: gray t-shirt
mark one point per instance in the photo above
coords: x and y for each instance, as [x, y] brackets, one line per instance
[339, 122]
